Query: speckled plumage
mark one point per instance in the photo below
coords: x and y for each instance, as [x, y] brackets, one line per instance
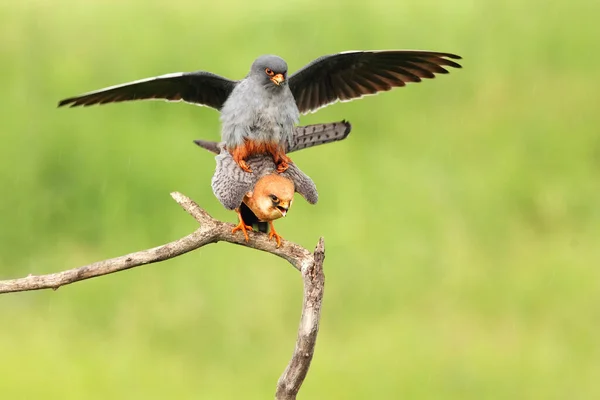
[230, 183]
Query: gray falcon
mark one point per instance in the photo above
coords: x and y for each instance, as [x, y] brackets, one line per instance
[259, 112]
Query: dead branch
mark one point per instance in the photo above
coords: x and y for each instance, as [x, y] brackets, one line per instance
[213, 231]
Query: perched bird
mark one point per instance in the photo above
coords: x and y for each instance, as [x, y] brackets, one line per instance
[259, 112]
[261, 196]
[250, 212]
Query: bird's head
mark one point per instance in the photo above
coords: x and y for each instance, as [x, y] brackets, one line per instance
[271, 198]
[270, 71]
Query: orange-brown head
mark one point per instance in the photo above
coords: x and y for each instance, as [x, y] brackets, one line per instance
[271, 198]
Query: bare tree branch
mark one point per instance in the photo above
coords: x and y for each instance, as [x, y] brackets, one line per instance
[314, 281]
[213, 231]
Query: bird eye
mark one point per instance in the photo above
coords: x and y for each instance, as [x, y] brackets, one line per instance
[274, 198]
[269, 72]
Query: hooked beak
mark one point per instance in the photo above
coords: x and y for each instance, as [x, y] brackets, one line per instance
[283, 208]
[277, 79]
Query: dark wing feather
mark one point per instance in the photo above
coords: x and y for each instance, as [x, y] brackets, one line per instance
[351, 75]
[202, 88]
[230, 183]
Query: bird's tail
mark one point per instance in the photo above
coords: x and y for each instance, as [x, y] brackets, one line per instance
[314, 135]
[304, 136]
[213, 147]
[251, 219]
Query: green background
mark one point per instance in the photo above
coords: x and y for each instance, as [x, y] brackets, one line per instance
[461, 216]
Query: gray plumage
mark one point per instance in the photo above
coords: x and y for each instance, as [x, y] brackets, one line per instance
[262, 110]
[230, 183]
[304, 136]
[259, 110]
[315, 135]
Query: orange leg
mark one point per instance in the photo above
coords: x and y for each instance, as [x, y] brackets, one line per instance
[242, 226]
[249, 148]
[240, 154]
[274, 234]
[280, 158]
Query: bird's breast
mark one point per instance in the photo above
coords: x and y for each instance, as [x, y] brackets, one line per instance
[260, 117]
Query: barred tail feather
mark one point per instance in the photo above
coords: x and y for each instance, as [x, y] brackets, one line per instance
[304, 136]
[314, 135]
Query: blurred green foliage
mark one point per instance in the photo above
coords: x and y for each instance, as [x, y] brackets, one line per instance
[461, 217]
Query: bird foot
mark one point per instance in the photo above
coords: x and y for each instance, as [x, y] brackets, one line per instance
[244, 166]
[274, 235]
[240, 154]
[244, 228]
[282, 166]
[281, 159]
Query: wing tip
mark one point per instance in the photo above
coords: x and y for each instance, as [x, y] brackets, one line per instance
[65, 102]
[453, 56]
[74, 102]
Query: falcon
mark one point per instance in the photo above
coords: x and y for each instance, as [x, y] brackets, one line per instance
[259, 112]
[261, 196]
[268, 196]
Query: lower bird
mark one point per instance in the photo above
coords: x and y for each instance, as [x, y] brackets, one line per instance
[259, 112]
[264, 195]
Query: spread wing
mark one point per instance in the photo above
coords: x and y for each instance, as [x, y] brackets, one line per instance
[304, 136]
[351, 75]
[302, 183]
[229, 182]
[202, 88]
